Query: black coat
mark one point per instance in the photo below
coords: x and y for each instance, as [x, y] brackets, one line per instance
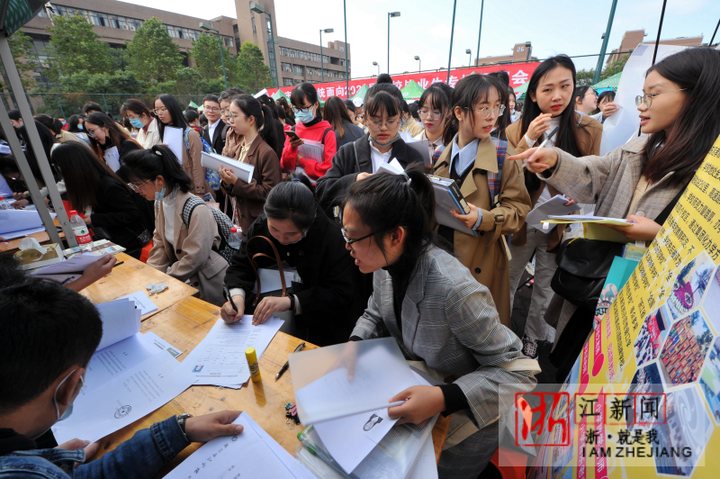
[325, 268]
[117, 213]
[346, 165]
[219, 136]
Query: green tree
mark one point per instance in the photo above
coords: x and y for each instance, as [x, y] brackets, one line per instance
[74, 47]
[585, 77]
[208, 62]
[26, 61]
[615, 67]
[253, 74]
[152, 55]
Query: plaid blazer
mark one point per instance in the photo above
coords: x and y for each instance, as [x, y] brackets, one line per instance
[449, 321]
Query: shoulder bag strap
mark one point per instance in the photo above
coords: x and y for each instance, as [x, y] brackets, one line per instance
[255, 266]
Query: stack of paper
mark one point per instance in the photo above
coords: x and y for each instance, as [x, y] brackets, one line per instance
[219, 359]
[18, 223]
[68, 270]
[421, 146]
[213, 161]
[550, 209]
[312, 150]
[173, 138]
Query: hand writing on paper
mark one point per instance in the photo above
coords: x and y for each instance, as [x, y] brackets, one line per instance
[209, 426]
[20, 204]
[269, 305]
[421, 403]
[228, 314]
[469, 219]
[538, 159]
[362, 176]
[72, 444]
[99, 269]
[227, 176]
[347, 359]
[643, 229]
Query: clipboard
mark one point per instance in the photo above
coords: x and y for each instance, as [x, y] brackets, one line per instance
[448, 197]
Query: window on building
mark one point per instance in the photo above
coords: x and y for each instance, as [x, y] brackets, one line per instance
[60, 10]
[342, 49]
[293, 53]
[235, 28]
[237, 41]
[42, 13]
[170, 30]
[253, 24]
[297, 82]
[99, 19]
[326, 59]
[298, 70]
[286, 67]
[228, 42]
[194, 34]
[284, 52]
[118, 22]
[182, 33]
[288, 81]
[75, 11]
[134, 24]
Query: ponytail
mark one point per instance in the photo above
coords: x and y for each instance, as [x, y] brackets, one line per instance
[147, 165]
[267, 130]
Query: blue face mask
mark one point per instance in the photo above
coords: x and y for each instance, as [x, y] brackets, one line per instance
[69, 410]
[80, 127]
[305, 116]
[160, 195]
[137, 123]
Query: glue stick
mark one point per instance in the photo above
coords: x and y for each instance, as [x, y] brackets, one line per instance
[253, 363]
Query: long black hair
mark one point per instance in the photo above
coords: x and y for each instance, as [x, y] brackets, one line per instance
[73, 123]
[147, 165]
[294, 200]
[503, 79]
[386, 201]
[47, 140]
[302, 92]
[263, 118]
[469, 91]
[684, 146]
[176, 113]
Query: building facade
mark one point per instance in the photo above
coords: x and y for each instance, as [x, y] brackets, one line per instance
[521, 52]
[116, 22]
[632, 38]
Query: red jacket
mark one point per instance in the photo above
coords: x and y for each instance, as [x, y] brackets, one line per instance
[290, 159]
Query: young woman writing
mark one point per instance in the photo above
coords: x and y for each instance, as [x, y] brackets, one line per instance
[141, 118]
[104, 134]
[493, 188]
[640, 181]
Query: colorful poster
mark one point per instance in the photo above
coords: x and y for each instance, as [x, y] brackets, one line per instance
[519, 74]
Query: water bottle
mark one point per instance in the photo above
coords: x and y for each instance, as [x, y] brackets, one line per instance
[4, 205]
[81, 231]
[234, 239]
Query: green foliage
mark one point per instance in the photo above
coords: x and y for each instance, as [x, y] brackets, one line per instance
[615, 67]
[116, 86]
[253, 74]
[208, 61]
[26, 61]
[74, 47]
[585, 77]
[152, 55]
[118, 59]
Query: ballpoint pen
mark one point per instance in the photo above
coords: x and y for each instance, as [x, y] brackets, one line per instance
[229, 298]
[287, 363]
[542, 145]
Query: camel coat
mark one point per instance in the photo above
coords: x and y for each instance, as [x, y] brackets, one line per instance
[485, 255]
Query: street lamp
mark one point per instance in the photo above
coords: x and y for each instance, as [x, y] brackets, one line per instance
[377, 65]
[255, 8]
[528, 47]
[477, 52]
[207, 26]
[390, 15]
[419, 63]
[469, 53]
[322, 63]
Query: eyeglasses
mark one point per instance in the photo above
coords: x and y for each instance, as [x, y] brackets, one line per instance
[487, 111]
[351, 241]
[231, 116]
[435, 114]
[162, 109]
[91, 133]
[136, 188]
[212, 108]
[390, 124]
[647, 98]
[298, 110]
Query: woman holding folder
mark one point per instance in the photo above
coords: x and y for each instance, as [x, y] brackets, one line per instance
[493, 187]
[247, 117]
[643, 179]
[442, 319]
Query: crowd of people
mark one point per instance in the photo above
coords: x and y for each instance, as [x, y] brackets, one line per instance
[368, 257]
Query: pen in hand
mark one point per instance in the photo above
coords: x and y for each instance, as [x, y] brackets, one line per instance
[542, 145]
[229, 298]
[287, 363]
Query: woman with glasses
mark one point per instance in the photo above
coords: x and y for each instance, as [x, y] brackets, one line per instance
[550, 104]
[310, 243]
[142, 118]
[362, 158]
[493, 187]
[107, 203]
[105, 134]
[184, 245]
[247, 118]
[642, 180]
[169, 113]
[433, 110]
[310, 126]
[441, 317]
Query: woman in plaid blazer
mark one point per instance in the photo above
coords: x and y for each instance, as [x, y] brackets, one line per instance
[439, 315]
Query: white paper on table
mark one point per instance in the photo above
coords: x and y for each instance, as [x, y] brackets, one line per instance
[270, 279]
[173, 138]
[312, 150]
[18, 220]
[553, 206]
[393, 166]
[244, 171]
[220, 360]
[120, 318]
[249, 454]
[68, 270]
[143, 303]
[163, 345]
[19, 234]
[112, 158]
[124, 400]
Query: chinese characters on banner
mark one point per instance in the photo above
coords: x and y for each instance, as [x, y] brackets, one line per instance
[519, 74]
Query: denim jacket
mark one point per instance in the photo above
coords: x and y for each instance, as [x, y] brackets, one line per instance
[140, 457]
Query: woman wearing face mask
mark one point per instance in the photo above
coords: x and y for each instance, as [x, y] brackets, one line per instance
[493, 187]
[104, 134]
[408, 124]
[169, 113]
[310, 126]
[549, 105]
[141, 118]
[184, 252]
[438, 313]
[310, 243]
[247, 118]
[434, 108]
[362, 158]
[75, 126]
[641, 180]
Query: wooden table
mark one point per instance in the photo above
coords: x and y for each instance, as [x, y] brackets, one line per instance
[13, 245]
[133, 276]
[184, 325]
